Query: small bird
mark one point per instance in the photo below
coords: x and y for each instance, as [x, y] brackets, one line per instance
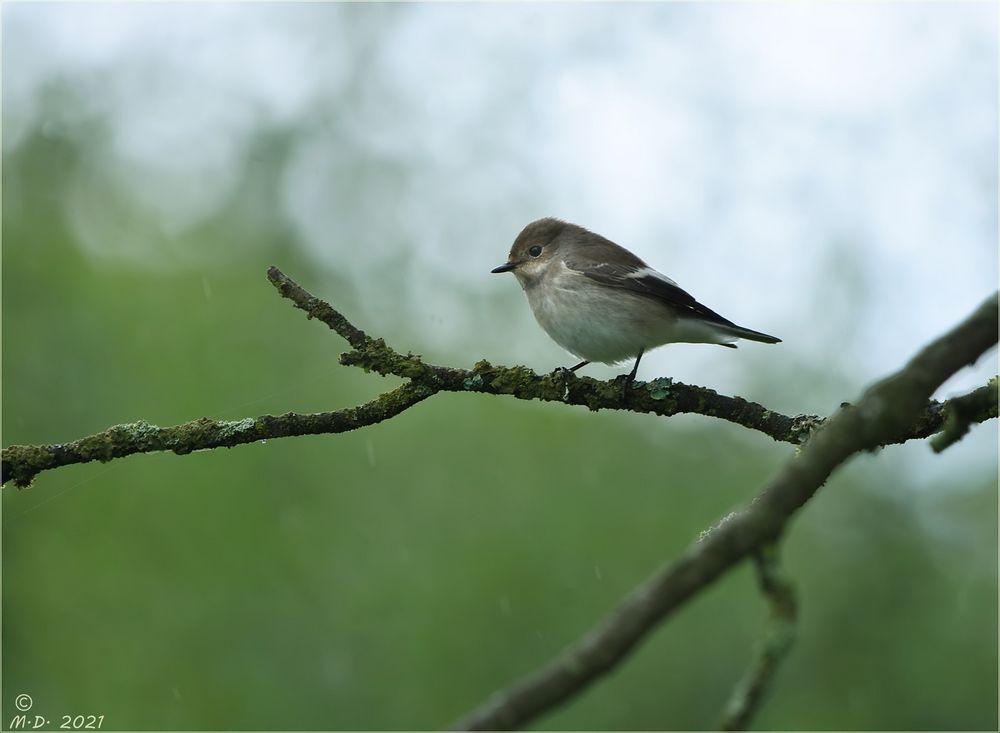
[602, 303]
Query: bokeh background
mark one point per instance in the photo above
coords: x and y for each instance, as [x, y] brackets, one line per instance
[823, 172]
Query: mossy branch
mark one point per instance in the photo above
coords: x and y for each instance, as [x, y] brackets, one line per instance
[662, 396]
[21, 463]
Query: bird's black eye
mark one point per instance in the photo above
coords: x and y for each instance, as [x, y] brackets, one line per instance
[535, 251]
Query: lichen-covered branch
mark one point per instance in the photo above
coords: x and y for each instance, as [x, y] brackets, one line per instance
[661, 396]
[884, 414]
[21, 463]
[318, 309]
[773, 646]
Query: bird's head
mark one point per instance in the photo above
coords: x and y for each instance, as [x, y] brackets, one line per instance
[535, 248]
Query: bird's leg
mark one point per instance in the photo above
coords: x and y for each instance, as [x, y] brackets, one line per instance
[631, 375]
[566, 372]
[635, 367]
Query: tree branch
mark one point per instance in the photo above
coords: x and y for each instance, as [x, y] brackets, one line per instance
[21, 463]
[662, 396]
[772, 647]
[884, 414]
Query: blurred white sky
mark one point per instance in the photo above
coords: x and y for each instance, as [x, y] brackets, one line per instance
[826, 172]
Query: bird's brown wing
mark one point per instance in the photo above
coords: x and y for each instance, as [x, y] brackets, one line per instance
[635, 276]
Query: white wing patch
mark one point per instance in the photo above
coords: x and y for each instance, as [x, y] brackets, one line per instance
[650, 272]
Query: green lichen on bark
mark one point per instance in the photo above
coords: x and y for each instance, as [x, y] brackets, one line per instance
[518, 381]
[803, 427]
[659, 388]
[21, 463]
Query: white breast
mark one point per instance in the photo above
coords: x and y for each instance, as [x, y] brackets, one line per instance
[589, 320]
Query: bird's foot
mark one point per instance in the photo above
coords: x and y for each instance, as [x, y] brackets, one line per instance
[627, 381]
[565, 376]
[630, 378]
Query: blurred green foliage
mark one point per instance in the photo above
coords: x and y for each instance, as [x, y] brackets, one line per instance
[394, 577]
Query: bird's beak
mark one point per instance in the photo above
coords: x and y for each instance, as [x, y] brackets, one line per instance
[506, 267]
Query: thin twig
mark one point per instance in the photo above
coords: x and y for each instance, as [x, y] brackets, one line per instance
[884, 413]
[772, 647]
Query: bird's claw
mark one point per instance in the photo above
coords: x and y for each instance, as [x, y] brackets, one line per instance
[565, 376]
[627, 381]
